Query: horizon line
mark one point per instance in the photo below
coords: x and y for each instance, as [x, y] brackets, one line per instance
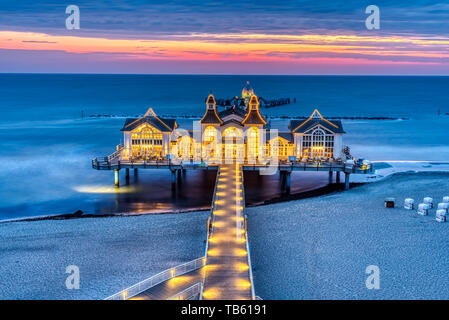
[226, 74]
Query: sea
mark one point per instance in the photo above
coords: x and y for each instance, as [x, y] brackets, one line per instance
[53, 125]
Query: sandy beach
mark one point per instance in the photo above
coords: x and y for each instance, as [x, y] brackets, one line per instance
[111, 253]
[315, 248]
[318, 248]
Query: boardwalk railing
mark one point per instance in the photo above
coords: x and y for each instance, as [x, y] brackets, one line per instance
[212, 207]
[158, 278]
[189, 293]
[114, 162]
[115, 154]
[210, 225]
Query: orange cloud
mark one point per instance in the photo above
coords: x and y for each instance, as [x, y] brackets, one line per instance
[239, 47]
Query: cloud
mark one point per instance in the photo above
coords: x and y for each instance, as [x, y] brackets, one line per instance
[133, 18]
[224, 32]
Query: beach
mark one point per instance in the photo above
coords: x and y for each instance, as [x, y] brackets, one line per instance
[111, 253]
[319, 248]
[315, 248]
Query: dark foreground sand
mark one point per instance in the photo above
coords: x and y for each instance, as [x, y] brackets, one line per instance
[111, 253]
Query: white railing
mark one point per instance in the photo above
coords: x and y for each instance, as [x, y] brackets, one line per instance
[209, 227]
[115, 154]
[158, 278]
[189, 293]
[212, 207]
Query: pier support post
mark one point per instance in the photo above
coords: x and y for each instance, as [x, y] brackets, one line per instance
[337, 177]
[179, 175]
[116, 178]
[127, 175]
[183, 172]
[135, 174]
[287, 182]
[347, 180]
[173, 179]
[331, 173]
[283, 178]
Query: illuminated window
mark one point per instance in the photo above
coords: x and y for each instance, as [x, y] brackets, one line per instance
[210, 142]
[185, 147]
[147, 142]
[210, 135]
[319, 144]
[232, 143]
[253, 142]
[280, 147]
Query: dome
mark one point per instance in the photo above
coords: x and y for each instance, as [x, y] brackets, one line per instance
[247, 91]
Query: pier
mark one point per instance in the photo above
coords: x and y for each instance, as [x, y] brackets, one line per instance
[224, 273]
[285, 168]
[228, 270]
[228, 142]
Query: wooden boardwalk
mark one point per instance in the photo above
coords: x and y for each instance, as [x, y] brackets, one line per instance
[227, 274]
[169, 288]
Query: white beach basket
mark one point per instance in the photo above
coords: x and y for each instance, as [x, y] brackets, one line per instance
[423, 209]
[409, 204]
[429, 201]
[441, 216]
[443, 206]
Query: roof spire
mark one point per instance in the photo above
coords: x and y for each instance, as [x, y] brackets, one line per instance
[211, 115]
[253, 116]
[316, 114]
[150, 112]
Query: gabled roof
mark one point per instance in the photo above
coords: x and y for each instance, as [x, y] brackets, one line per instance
[233, 121]
[234, 110]
[285, 135]
[253, 116]
[164, 125]
[301, 126]
[150, 117]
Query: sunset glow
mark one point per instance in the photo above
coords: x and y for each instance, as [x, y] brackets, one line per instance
[195, 38]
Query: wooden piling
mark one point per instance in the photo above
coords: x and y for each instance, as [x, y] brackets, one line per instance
[116, 178]
[347, 174]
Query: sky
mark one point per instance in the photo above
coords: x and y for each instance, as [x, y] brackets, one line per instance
[225, 37]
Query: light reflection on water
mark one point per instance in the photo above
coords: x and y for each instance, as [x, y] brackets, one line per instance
[152, 192]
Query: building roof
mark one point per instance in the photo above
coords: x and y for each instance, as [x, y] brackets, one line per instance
[234, 121]
[303, 125]
[234, 110]
[253, 116]
[211, 116]
[286, 135]
[164, 125]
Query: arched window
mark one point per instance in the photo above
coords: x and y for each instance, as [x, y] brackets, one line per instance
[210, 135]
[232, 132]
[232, 145]
[253, 142]
[210, 142]
[318, 144]
[278, 146]
[147, 142]
[185, 147]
